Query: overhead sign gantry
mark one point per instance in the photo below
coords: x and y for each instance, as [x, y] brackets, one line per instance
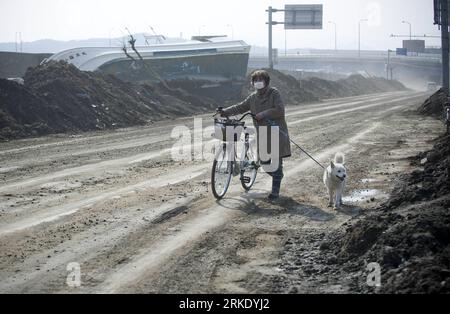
[296, 16]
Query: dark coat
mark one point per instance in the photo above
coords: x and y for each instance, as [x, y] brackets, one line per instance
[271, 106]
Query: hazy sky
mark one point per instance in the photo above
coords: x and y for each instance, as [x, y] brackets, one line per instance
[83, 19]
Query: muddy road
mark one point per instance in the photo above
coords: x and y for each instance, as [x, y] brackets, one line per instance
[136, 221]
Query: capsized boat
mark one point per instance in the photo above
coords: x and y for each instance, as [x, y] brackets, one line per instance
[206, 65]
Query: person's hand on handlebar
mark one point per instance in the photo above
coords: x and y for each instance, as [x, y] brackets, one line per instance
[259, 117]
[221, 112]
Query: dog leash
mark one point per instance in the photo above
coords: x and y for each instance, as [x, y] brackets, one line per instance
[272, 123]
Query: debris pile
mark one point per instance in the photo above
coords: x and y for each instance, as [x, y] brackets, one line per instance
[57, 97]
[290, 88]
[409, 235]
[296, 91]
[434, 106]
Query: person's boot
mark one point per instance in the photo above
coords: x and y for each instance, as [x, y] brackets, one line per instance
[275, 194]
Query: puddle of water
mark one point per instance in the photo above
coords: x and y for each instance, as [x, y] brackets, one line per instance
[360, 196]
[369, 180]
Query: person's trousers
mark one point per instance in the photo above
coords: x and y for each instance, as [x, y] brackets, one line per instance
[277, 176]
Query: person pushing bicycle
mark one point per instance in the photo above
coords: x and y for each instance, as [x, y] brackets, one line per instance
[267, 109]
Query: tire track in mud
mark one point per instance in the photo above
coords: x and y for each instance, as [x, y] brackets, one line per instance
[122, 279]
[118, 134]
[189, 226]
[65, 256]
[52, 214]
[105, 238]
[142, 139]
[87, 199]
[376, 104]
[154, 154]
[338, 104]
[144, 265]
[71, 208]
[154, 256]
[89, 168]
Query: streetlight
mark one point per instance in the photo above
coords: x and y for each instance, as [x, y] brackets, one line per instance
[232, 31]
[388, 65]
[18, 41]
[406, 22]
[110, 36]
[199, 29]
[285, 43]
[335, 34]
[359, 35]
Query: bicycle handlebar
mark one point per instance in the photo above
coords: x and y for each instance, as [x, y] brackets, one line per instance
[247, 114]
[272, 123]
[220, 110]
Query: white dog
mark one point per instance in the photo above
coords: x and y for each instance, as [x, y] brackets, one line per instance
[334, 179]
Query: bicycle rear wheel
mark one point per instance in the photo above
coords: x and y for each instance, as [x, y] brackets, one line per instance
[221, 173]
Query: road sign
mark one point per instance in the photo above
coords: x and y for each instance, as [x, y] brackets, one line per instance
[296, 16]
[308, 16]
[402, 52]
[414, 45]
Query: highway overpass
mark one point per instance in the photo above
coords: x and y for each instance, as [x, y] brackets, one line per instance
[413, 71]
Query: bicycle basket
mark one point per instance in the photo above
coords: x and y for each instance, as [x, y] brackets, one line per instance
[233, 127]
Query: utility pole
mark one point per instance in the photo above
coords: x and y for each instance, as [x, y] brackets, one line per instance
[285, 44]
[359, 36]
[410, 33]
[335, 34]
[388, 66]
[110, 43]
[270, 39]
[19, 42]
[445, 45]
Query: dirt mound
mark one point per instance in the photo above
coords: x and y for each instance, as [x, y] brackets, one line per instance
[409, 235]
[362, 85]
[323, 89]
[289, 87]
[429, 184]
[23, 113]
[296, 91]
[434, 106]
[353, 85]
[58, 97]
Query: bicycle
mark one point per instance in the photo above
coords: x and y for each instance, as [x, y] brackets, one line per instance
[225, 163]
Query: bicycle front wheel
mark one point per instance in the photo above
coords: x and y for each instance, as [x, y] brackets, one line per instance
[249, 169]
[221, 173]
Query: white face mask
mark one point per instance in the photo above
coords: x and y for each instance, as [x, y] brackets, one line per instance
[259, 85]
